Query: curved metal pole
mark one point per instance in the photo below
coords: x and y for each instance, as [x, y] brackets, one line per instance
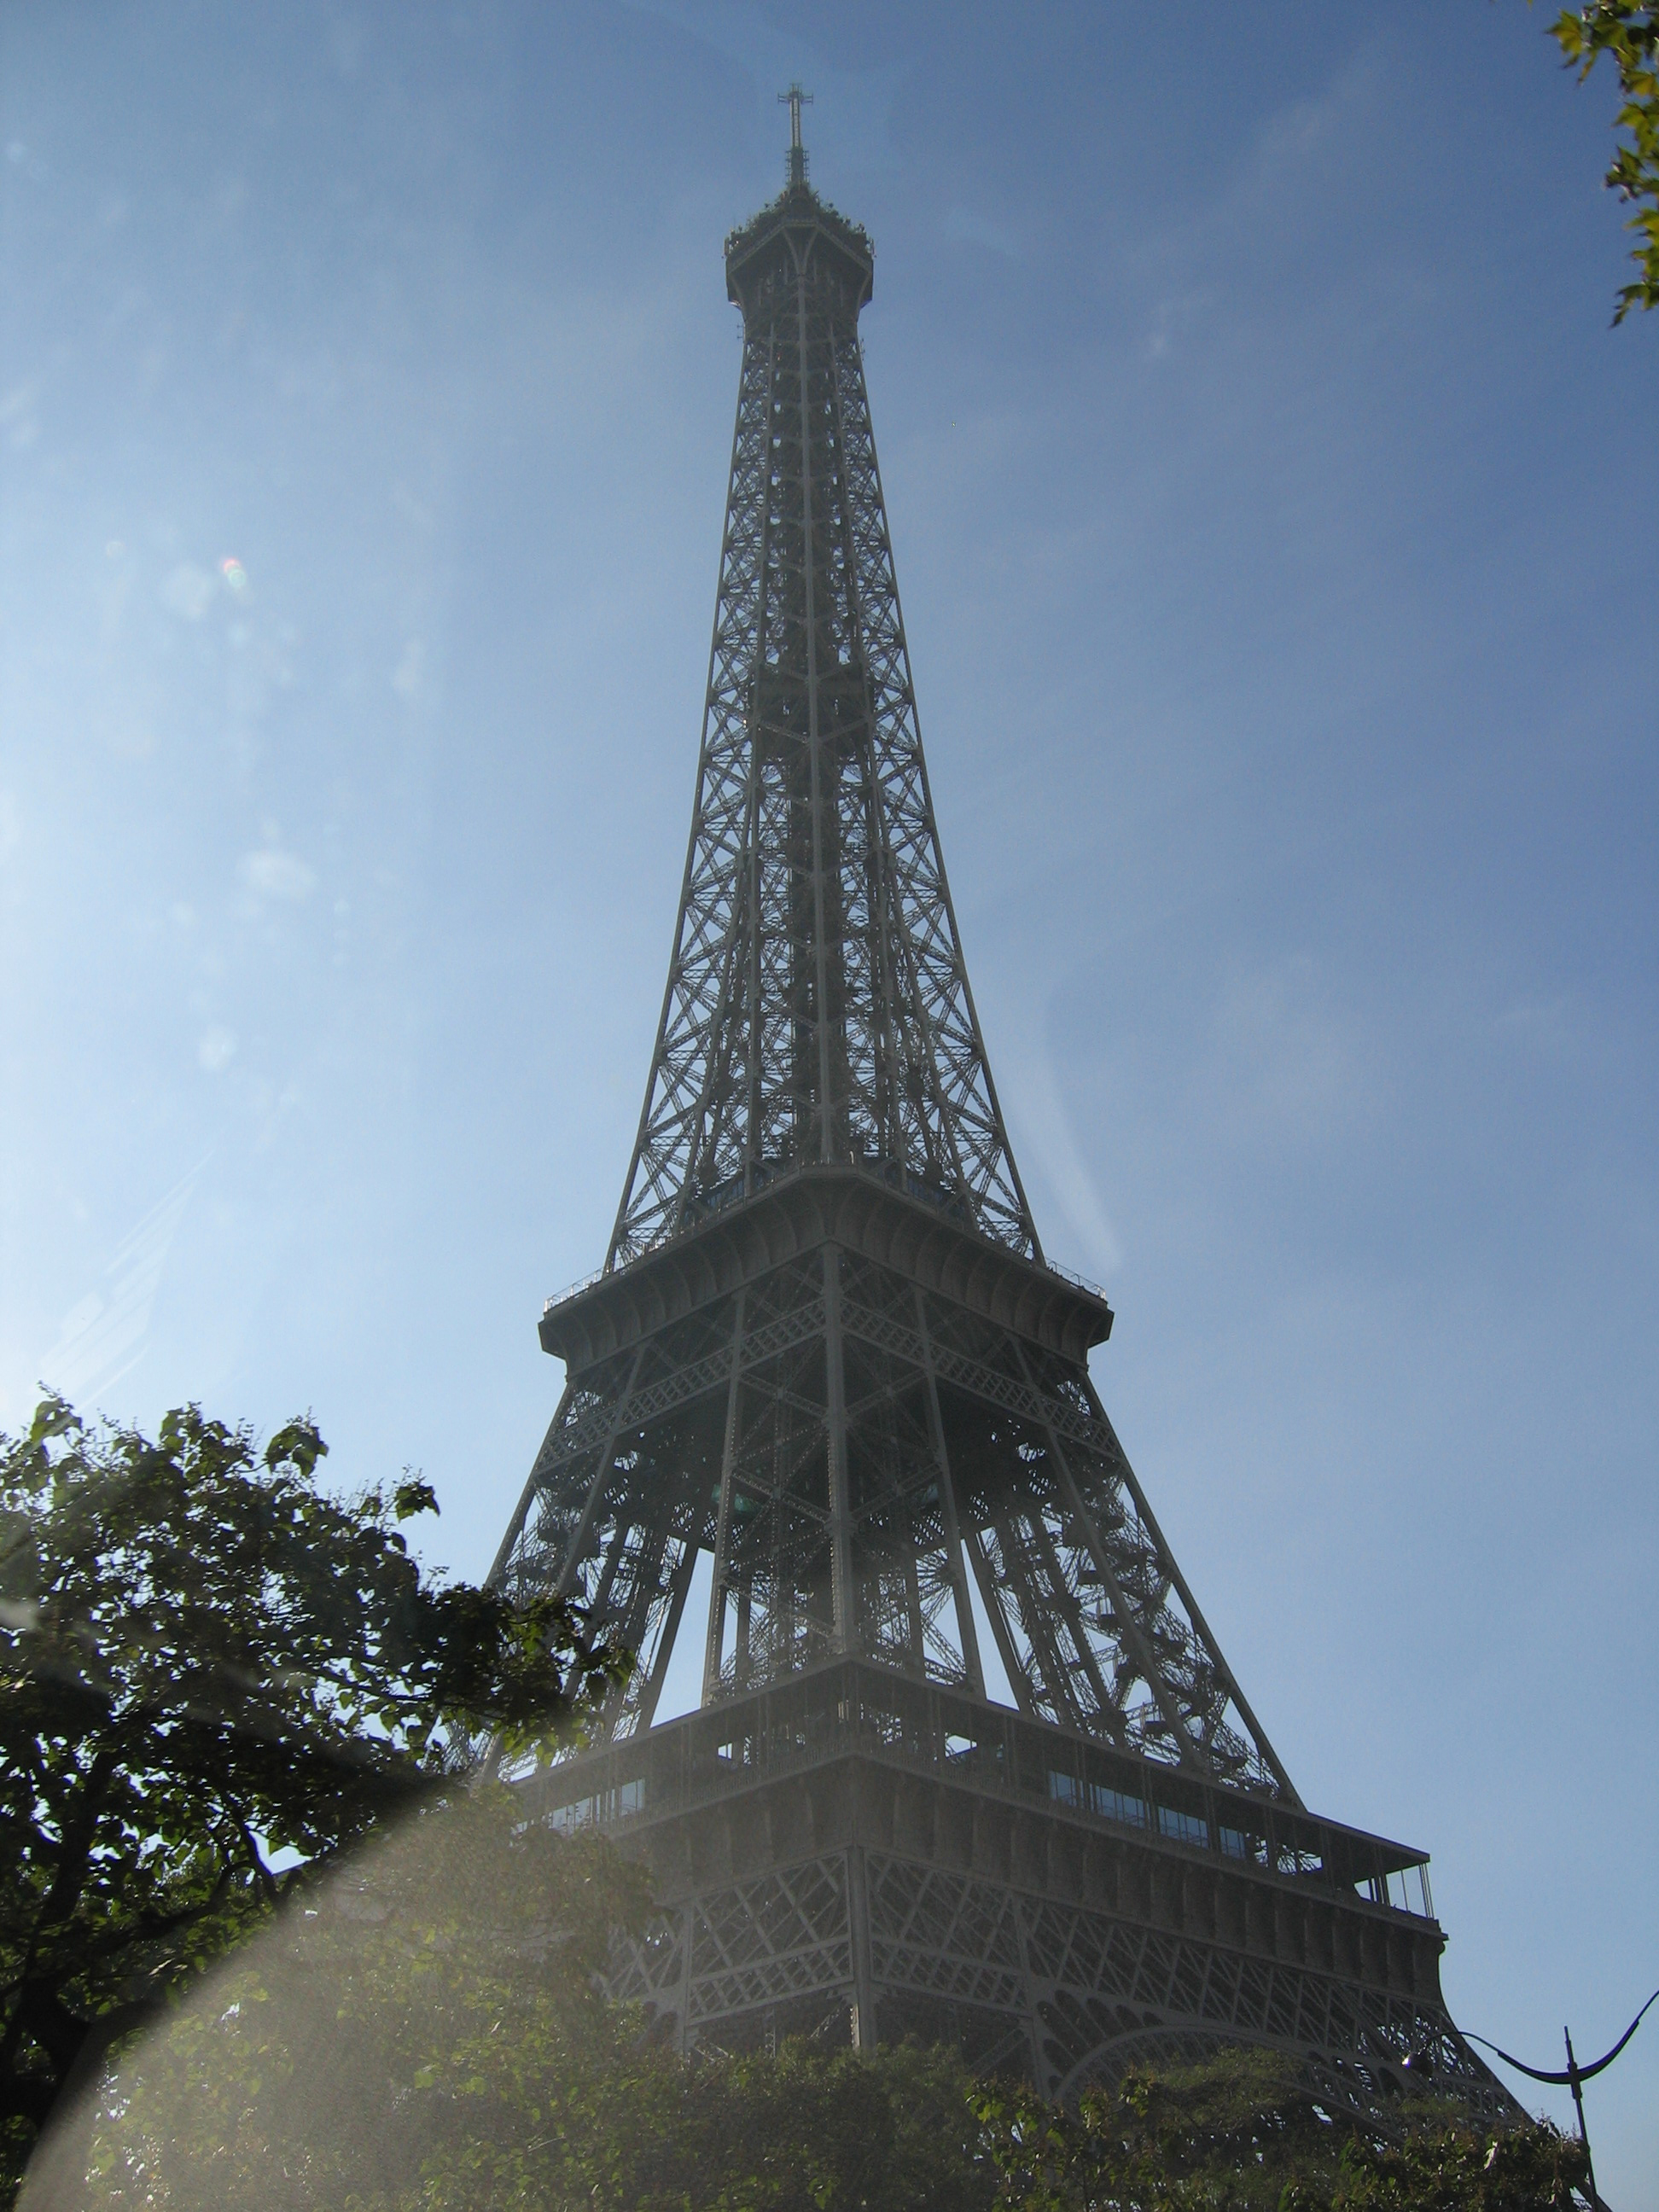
[1575, 2072]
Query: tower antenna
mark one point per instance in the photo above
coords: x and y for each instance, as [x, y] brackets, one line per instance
[795, 100]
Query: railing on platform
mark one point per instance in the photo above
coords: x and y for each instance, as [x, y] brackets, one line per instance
[849, 1705]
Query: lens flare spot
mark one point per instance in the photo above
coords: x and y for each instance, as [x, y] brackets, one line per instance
[235, 573]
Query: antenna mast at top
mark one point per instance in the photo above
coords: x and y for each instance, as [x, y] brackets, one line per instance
[795, 98]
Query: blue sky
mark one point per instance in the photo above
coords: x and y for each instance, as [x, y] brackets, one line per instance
[1273, 507]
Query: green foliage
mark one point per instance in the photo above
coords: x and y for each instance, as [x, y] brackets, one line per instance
[422, 2031]
[426, 2005]
[809, 2131]
[212, 1670]
[1456, 2170]
[1628, 31]
[1239, 2132]
[1241, 2122]
[427, 2039]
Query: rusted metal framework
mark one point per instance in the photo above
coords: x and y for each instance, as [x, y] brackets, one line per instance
[826, 1353]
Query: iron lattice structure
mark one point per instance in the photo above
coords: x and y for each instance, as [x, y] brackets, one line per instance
[826, 1353]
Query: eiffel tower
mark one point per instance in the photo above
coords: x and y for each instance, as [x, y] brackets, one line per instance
[827, 1355]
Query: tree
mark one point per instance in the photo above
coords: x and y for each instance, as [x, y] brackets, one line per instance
[427, 2031]
[1628, 31]
[1241, 2129]
[1456, 2170]
[804, 2130]
[217, 1678]
[1167, 2135]
[428, 2007]
[429, 2060]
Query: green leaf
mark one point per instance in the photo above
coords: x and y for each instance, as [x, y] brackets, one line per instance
[297, 1445]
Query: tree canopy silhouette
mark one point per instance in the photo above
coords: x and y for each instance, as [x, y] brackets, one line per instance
[217, 1677]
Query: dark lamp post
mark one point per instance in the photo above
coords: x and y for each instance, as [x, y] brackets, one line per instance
[1574, 2078]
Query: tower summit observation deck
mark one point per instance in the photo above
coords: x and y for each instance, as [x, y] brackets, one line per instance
[826, 1355]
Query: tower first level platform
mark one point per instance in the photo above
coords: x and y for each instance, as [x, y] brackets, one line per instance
[854, 1854]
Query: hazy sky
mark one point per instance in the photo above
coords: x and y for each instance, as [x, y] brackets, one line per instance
[1274, 511]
